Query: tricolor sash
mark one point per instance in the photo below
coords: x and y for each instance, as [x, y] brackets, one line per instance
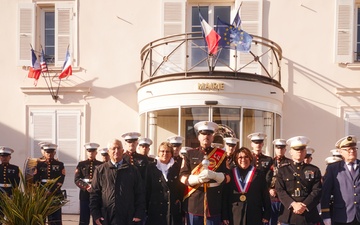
[216, 157]
[243, 185]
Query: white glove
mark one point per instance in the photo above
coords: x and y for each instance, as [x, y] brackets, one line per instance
[327, 221]
[194, 180]
[211, 175]
[217, 176]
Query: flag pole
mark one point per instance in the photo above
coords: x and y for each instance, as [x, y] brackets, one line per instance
[205, 164]
[48, 80]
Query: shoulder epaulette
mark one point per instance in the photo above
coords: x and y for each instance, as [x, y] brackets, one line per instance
[284, 164]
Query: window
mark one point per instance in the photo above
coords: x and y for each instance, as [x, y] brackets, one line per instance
[210, 13]
[51, 26]
[347, 36]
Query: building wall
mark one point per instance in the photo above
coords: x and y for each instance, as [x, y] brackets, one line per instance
[111, 34]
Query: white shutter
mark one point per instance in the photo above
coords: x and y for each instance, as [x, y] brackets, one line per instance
[173, 20]
[173, 17]
[252, 16]
[25, 33]
[68, 139]
[62, 128]
[251, 22]
[352, 123]
[42, 128]
[68, 136]
[344, 31]
[65, 34]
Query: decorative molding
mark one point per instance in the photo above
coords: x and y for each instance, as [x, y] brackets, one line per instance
[348, 91]
[62, 90]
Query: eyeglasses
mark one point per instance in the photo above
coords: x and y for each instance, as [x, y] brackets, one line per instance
[243, 157]
[258, 142]
[350, 148]
[166, 152]
[131, 140]
[206, 133]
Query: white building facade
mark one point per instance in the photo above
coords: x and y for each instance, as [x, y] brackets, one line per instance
[143, 66]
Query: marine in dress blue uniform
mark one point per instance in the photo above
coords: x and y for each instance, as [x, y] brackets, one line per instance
[83, 176]
[341, 187]
[298, 186]
[261, 162]
[279, 160]
[9, 173]
[47, 171]
[130, 154]
[214, 180]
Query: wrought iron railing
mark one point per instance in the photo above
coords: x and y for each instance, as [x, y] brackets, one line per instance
[186, 54]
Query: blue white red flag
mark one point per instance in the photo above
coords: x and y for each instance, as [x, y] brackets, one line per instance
[35, 70]
[211, 37]
[43, 63]
[67, 69]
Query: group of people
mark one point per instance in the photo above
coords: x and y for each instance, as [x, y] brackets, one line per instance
[205, 185]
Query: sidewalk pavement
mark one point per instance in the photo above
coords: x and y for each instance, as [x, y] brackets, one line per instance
[70, 219]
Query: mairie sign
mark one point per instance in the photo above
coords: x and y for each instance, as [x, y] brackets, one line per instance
[211, 86]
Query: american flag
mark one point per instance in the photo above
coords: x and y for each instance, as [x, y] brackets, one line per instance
[43, 64]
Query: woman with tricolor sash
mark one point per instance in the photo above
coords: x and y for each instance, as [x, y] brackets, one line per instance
[246, 198]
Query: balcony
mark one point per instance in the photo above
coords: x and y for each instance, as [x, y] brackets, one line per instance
[184, 56]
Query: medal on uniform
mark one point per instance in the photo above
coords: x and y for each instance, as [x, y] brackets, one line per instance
[243, 185]
[242, 198]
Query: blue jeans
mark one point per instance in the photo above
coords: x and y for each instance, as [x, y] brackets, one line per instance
[199, 220]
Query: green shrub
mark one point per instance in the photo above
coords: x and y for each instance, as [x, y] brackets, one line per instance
[29, 204]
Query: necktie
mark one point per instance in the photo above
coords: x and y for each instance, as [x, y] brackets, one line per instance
[352, 170]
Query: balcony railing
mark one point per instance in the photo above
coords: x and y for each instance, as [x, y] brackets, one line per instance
[186, 55]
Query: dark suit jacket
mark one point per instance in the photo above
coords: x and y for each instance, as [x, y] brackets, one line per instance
[256, 207]
[163, 198]
[345, 190]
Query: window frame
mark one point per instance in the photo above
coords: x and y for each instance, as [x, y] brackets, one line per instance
[30, 20]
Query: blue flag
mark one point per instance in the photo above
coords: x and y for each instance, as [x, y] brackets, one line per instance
[233, 37]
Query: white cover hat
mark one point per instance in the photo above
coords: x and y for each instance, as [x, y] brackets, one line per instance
[257, 136]
[131, 135]
[298, 142]
[206, 126]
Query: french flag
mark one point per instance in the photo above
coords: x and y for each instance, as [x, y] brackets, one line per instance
[35, 70]
[212, 38]
[67, 69]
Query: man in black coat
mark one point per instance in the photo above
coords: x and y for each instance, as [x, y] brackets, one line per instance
[83, 175]
[118, 195]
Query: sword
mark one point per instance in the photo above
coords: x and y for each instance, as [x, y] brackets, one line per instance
[205, 164]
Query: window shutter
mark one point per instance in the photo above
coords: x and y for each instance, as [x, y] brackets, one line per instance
[68, 136]
[251, 16]
[352, 126]
[344, 31]
[65, 35]
[173, 17]
[42, 128]
[251, 21]
[26, 31]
